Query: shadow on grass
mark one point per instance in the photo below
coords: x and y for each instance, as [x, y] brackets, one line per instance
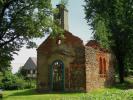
[35, 92]
[29, 92]
[24, 93]
[124, 86]
[128, 84]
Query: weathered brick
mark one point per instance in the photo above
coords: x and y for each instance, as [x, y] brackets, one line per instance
[81, 64]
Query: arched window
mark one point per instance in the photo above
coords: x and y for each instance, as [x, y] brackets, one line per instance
[57, 75]
[100, 65]
[104, 66]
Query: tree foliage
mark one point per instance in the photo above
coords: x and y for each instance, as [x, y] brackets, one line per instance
[64, 2]
[112, 22]
[21, 72]
[20, 22]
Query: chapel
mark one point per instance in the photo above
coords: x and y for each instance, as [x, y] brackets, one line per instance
[66, 64]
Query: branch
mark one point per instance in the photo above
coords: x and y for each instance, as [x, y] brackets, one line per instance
[6, 42]
[19, 11]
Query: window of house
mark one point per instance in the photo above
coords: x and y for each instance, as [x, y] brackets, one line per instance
[28, 71]
[102, 67]
[34, 71]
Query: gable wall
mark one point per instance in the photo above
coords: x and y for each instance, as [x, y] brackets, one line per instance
[71, 52]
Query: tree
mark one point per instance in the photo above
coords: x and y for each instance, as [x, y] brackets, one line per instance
[21, 72]
[5, 58]
[114, 19]
[20, 22]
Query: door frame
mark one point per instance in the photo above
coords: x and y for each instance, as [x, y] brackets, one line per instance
[51, 75]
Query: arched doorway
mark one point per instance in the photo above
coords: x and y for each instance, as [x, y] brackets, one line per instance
[57, 76]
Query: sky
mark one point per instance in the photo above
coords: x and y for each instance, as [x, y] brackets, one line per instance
[77, 25]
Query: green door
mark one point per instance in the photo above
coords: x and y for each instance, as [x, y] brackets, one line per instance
[57, 76]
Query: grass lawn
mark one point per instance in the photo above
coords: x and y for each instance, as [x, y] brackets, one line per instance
[118, 92]
[101, 94]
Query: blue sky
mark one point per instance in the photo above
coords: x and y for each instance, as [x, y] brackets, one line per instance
[77, 25]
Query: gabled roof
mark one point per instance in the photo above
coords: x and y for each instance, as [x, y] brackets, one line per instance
[69, 37]
[94, 44]
[31, 63]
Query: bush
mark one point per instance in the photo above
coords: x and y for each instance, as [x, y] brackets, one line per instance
[13, 82]
[30, 83]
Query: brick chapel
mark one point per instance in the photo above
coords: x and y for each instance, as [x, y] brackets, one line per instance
[66, 64]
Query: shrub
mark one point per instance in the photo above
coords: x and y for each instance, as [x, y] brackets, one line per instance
[30, 83]
[13, 82]
[8, 80]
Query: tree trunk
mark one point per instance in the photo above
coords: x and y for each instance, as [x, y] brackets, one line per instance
[121, 69]
[121, 72]
[119, 53]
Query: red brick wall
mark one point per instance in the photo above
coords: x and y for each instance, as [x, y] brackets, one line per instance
[81, 64]
[96, 78]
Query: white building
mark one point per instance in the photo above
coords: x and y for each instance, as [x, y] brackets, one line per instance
[30, 67]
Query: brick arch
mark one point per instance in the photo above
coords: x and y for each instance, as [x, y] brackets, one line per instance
[100, 65]
[57, 75]
[104, 66]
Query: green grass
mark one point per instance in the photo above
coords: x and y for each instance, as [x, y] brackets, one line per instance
[101, 94]
[117, 92]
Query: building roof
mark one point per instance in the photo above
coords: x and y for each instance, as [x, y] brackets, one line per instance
[31, 63]
[94, 44]
[69, 38]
